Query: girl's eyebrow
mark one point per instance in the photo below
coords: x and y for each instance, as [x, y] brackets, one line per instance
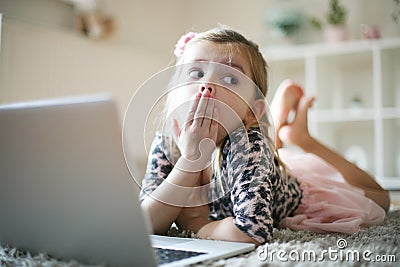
[229, 63]
[236, 66]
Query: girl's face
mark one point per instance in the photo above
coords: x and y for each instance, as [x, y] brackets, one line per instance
[227, 74]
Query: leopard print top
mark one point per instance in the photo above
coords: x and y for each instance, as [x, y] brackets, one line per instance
[257, 194]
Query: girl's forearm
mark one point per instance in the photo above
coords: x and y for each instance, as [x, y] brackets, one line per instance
[223, 230]
[165, 203]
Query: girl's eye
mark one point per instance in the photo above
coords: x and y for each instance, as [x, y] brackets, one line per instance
[196, 74]
[230, 80]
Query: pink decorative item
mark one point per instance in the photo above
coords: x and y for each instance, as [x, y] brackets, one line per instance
[181, 44]
[370, 32]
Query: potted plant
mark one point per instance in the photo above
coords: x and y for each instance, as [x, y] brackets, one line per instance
[285, 23]
[336, 18]
[335, 29]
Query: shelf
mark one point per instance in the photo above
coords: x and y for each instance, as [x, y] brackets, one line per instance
[391, 113]
[389, 183]
[301, 51]
[357, 90]
[356, 114]
[342, 115]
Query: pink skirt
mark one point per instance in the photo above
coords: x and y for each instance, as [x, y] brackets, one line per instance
[329, 203]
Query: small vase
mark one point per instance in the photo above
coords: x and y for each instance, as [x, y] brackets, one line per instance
[334, 34]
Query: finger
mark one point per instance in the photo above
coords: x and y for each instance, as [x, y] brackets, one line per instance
[208, 116]
[193, 108]
[201, 109]
[214, 126]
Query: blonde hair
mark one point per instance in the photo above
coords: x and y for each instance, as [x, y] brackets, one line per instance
[258, 66]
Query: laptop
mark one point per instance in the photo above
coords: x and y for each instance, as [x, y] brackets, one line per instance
[65, 189]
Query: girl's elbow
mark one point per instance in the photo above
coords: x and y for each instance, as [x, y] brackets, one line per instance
[158, 228]
[155, 223]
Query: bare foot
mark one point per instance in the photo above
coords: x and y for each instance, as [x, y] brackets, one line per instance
[286, 99]
[296, 133]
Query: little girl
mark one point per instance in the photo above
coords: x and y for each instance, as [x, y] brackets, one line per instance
[250, 187]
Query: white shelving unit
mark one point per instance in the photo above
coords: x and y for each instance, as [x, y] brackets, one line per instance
[357, 89]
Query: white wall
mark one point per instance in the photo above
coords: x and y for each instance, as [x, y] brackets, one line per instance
[53, 13]
[41, 63]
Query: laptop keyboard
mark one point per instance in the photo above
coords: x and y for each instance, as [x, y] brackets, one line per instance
[165, 255]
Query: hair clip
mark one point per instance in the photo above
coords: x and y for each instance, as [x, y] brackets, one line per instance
[181, 44]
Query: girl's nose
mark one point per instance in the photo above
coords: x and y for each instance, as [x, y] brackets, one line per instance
[209, 87]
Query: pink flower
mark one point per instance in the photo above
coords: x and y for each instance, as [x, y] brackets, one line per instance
[181, 44]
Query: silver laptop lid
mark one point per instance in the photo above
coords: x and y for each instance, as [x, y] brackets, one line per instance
[64, 185]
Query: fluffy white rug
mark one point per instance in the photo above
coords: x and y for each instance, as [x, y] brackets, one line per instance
[371, 246]
[378, 245]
